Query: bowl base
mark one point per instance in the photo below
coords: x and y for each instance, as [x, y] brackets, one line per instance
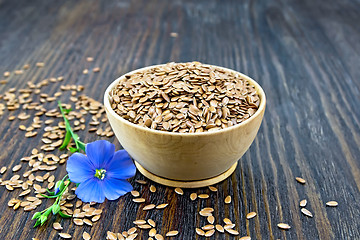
[186, 184]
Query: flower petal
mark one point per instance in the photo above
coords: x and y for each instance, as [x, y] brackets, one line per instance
[121, 166]
[114, 188]
[99, 152]
[79, 168]
[90, 191]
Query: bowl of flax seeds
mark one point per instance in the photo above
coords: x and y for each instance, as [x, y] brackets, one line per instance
[185, 124]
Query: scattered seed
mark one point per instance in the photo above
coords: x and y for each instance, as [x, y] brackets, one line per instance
[6, 74]
[300, 180]
[171, 233]
[95, 218]
[209, 233]
[283, 226]
[199, 231]
[152, 188]
[250, 215]
[85, 71]
[23, 193]
[131, 230]
[231, 231]
[86, 236]
[227, 221]
[159, 237]
[149, 207]
[179, 191]
[87, 222]
[143, 182]
[245, 238]
[219, 228]
[205, 213]
[132, 236]
[211, 219]
[3, 170]
[111, 236]
[193, 196]
[57, 226]
[161, 206]
[120, 236]
[89, 59]
[208, 227]
[135, 193]
[97, 69]
[227, 199]
[174, 34]
[16, 168]
[203, 196]
[229, 226]
[303, 203]
[332, 204]
[306, 212]
[213, 189]
[151, 222]
[139, 200]
[152, 232]
[78, 221]
[139, 222]
[40, 64]
[17, 205]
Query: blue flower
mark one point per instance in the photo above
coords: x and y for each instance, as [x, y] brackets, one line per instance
[102, 172]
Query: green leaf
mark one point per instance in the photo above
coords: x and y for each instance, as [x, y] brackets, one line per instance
[55, 209]
[79, 145]
[66, 141]
[63, 215]
[36, 215]
[73, 149]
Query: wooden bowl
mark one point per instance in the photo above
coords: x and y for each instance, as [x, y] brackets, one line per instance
[186, 159]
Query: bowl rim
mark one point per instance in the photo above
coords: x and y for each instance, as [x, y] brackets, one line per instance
[258, 88]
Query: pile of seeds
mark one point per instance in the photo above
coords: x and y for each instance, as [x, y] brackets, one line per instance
[185, 97]
[33, 174]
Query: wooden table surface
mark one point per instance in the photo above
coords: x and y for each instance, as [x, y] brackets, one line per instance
[304, 53]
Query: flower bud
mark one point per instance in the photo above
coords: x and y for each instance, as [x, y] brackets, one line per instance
[36, 215]
[43, 219]
[55, 209]
[59, 186]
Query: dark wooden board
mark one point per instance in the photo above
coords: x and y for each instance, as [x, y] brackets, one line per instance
[306, 56]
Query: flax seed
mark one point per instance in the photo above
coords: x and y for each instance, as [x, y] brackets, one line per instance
[86, 236]
[332, 204]
[300, 180]
[283, 226]
[227, 199]
[250, 215]
[306, 212]
[193, 196]
[209, 233]
[162, 206]
[152, 188]
[171, 233]
[203, 196]
[57, 226]
[219, 228]
[179, 191]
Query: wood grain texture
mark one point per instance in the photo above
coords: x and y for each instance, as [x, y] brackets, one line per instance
[305, 54]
